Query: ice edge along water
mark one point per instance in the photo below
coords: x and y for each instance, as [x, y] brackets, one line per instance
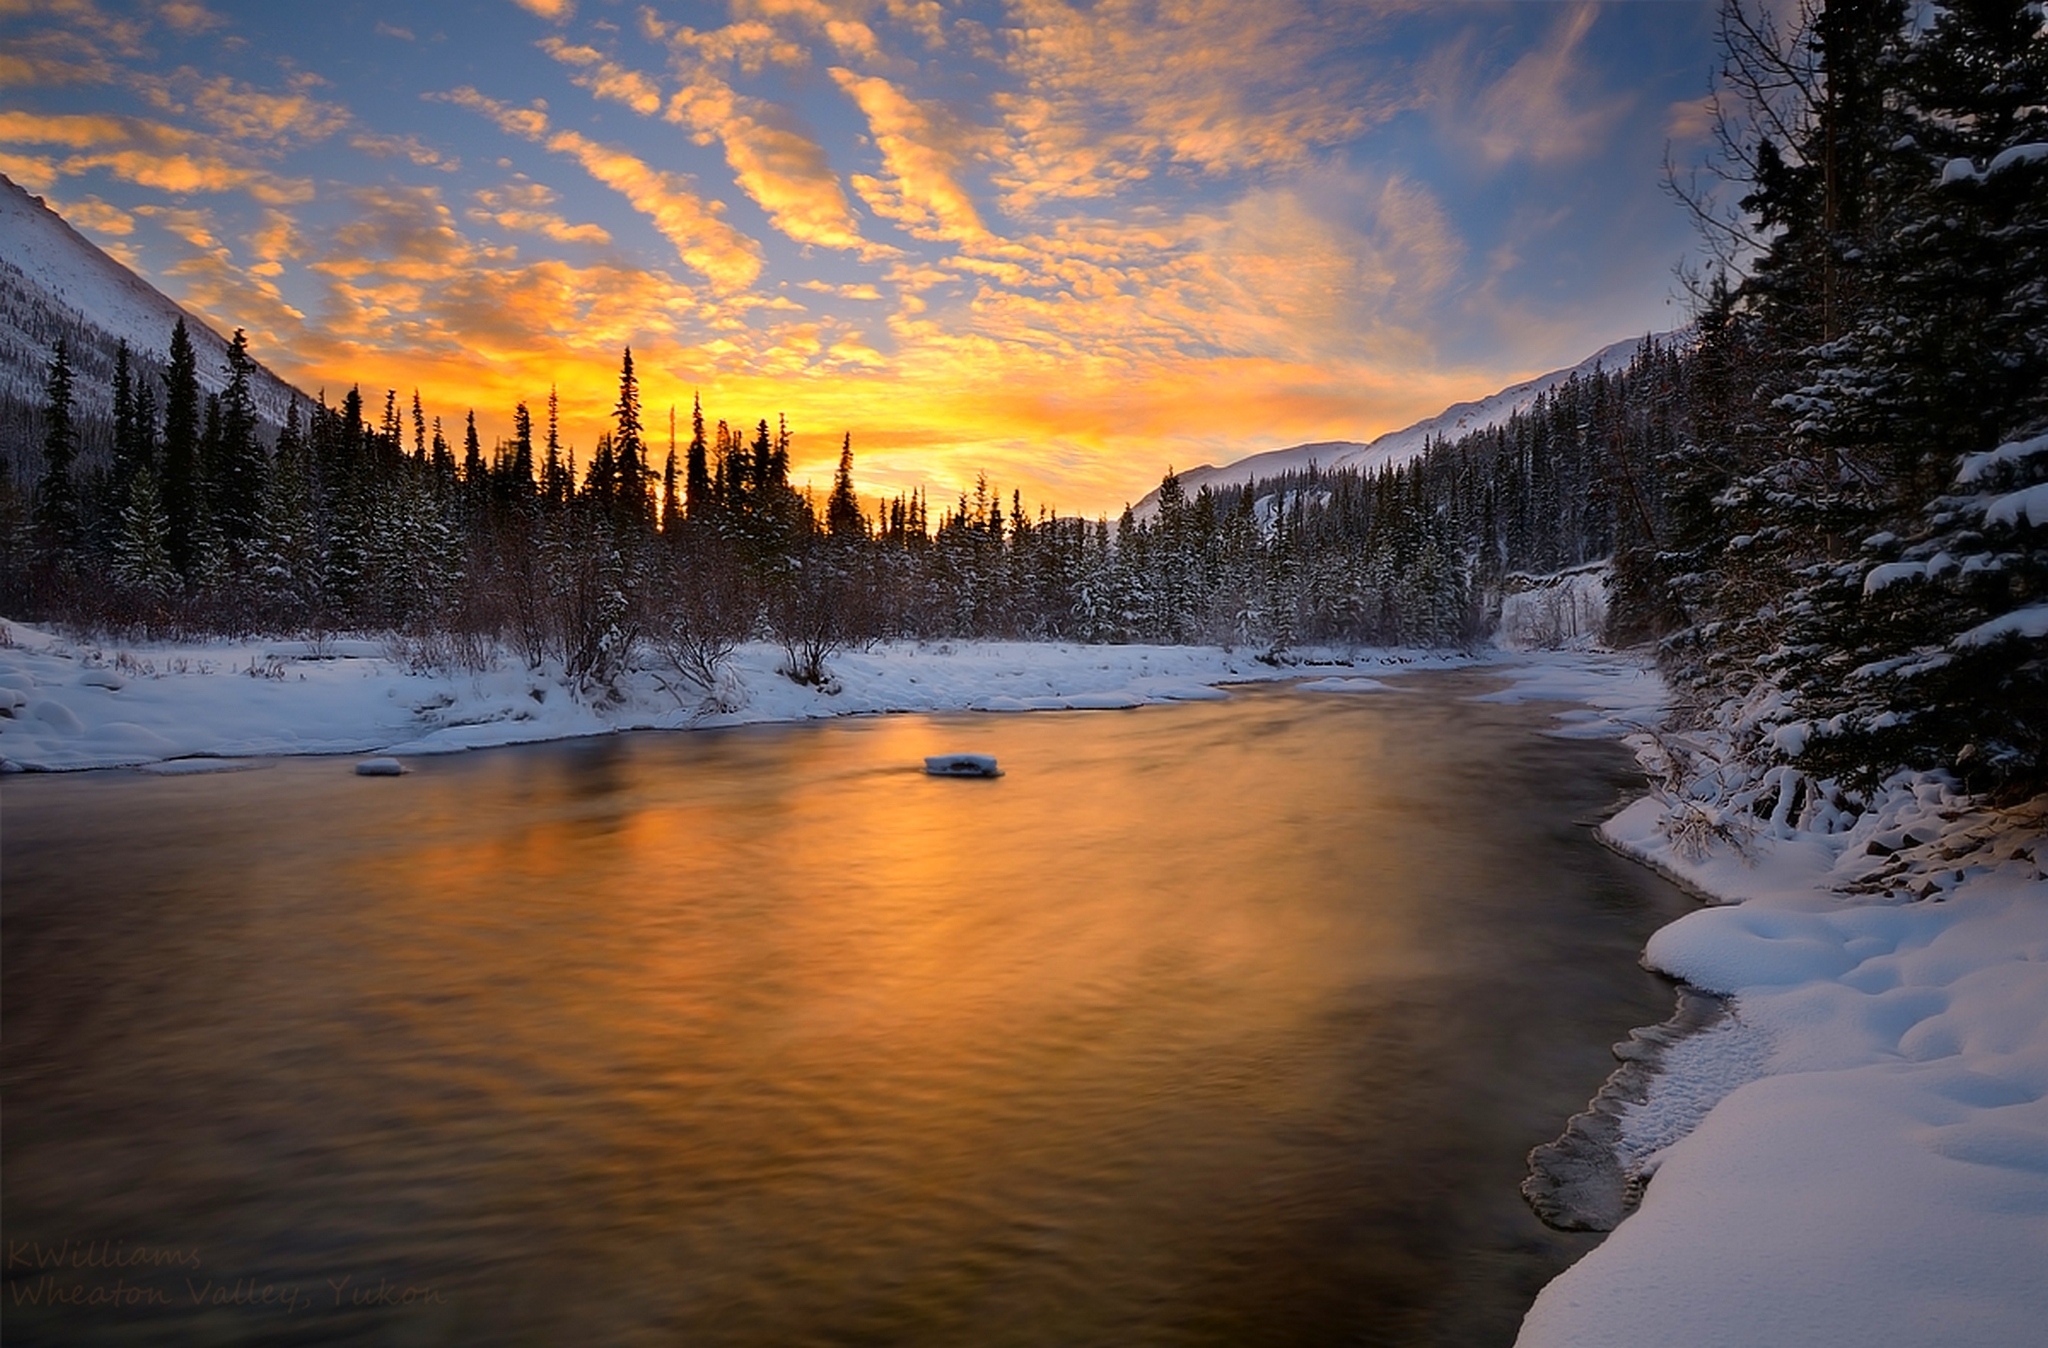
[1856, 1151]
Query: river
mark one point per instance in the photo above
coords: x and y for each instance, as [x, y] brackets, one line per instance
[1215, 1024]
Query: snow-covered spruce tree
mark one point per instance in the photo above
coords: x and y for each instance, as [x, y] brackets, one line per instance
[285, 557]
[142, 561]
[1946, 661]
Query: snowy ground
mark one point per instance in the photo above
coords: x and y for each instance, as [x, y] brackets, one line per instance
[1858, 1155]
[67, 704]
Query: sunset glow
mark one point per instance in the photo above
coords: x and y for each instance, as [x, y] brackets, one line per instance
[1064, 244]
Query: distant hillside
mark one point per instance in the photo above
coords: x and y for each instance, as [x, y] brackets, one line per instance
[1395, 447]
[56, 283]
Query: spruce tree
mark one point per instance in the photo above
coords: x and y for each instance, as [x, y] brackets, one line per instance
[843, 519]
[181, 479]
[697, 493]
[56, 499]
[142, 560]
[635, 507]
[237, 485]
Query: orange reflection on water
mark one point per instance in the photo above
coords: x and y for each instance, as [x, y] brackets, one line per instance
[1174, 1034]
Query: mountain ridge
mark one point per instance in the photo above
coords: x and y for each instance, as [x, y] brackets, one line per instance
[55, 282]
[1398, 446]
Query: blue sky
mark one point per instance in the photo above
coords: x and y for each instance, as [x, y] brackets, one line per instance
[1063, 243]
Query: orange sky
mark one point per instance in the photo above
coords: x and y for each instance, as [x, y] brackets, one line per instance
[1064, 244]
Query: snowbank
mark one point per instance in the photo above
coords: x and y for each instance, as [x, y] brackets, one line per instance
[71, 705]
[1858, 1154]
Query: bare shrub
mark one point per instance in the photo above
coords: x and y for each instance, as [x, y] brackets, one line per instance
[705, 608]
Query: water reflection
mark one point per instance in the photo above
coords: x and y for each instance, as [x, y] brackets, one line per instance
[1219, 1024]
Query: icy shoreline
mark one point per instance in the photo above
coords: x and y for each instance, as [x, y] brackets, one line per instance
[1857, 1153]
[70, 705]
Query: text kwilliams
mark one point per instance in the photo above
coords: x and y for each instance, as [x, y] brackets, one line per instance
[99, 1254]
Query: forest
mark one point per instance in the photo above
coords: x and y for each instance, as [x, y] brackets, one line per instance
[1824, 504]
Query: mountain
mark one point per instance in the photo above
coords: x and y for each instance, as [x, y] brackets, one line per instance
[56, 283]
[1397, 447]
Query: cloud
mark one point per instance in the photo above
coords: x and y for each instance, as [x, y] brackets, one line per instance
[856, 291]
[1690, 120]
[1538, 109]
[394, 30]
[397, 231]
[556, 11]
[276, 238]
[96, 216]
[530, 123]
[784, 171]
[838, 23]
[920, 190]
[34, 172]
[1108, 92]
[248, 114]
[189, 16]
[705, 242]
[150, 154]
[606, 78]
[51, 57]
[526, 206]
[407, 147]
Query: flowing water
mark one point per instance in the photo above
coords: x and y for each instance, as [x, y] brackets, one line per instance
[1215, 1024]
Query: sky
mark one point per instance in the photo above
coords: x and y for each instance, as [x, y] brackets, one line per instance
[1065, 244]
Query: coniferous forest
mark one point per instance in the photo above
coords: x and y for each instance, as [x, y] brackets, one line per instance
[1825, 503]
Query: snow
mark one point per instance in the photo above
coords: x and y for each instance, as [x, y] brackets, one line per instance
[2028, 505]
[961, 765]
[1956, 170]
[67, 704]
[1976, 466]
[380, 767]
[2030, 622]
[2031, 153]
[1345, 686]
[1858, 1155]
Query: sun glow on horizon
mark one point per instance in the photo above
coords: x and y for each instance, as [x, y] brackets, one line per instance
[1066, 246]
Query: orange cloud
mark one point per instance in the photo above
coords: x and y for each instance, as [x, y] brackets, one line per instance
[1111, 88]
[920, 190]
[726, 257]
[149, 154]
[784, 171]
[526, 206]
[34, 172]
[704, 241]
[96, 216]
[555, 11]
[605, 78]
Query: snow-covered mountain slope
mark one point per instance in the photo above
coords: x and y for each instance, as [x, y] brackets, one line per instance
[54, 282]
[1396, 447]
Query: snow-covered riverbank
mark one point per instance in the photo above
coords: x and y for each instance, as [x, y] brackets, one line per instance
[1858, 1153]
[67, 704]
